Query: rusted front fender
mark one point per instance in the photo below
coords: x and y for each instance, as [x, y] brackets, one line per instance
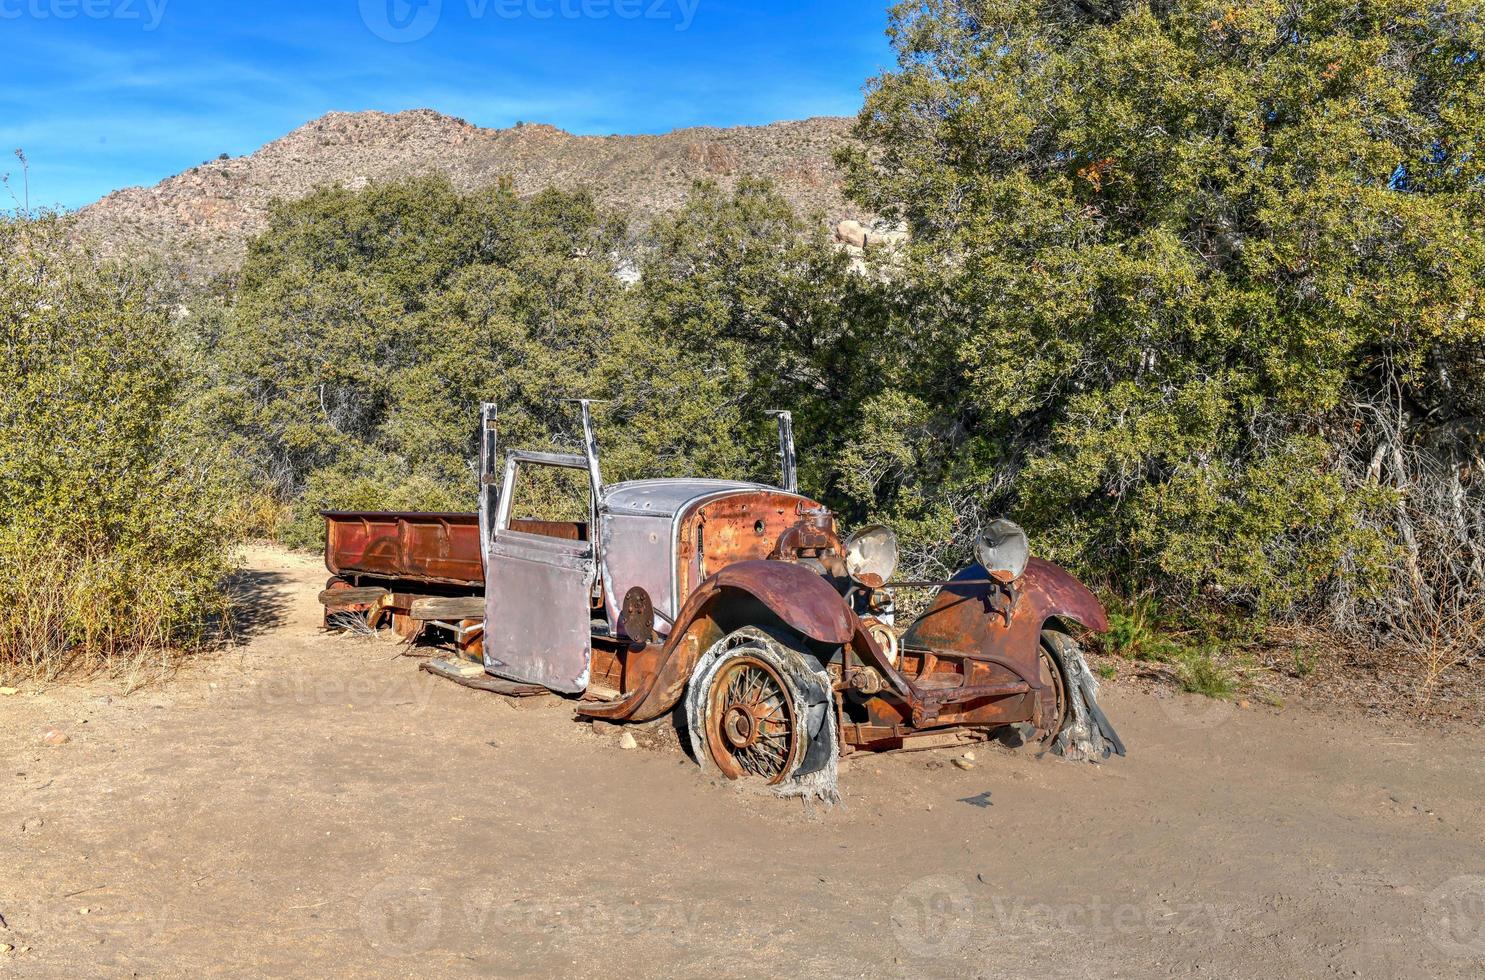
[798, 596]
[972, 618]
[1058, 594]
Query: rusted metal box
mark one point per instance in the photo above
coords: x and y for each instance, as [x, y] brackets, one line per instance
[405, 546]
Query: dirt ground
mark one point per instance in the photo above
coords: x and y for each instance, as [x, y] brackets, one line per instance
[306, 804]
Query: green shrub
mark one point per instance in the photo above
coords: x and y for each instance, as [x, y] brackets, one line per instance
[114, 540]
[369, 325]
[1179, 276]
[1136, 632]
[1202, 671]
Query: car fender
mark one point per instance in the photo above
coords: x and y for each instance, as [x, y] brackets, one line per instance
[798, 596]
[971, 617]
[1058, 594]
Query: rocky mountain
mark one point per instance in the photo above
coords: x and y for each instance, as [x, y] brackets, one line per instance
[204, 217]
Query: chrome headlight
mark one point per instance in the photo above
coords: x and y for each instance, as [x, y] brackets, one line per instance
[871, 556]
[1003, 550]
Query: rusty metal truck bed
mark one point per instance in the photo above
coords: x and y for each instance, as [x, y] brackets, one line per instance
[416, 546]
[398, 546]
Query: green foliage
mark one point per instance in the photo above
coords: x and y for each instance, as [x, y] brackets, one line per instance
[370, 325]
[752, 297]
[1201, 670]
[1268, 535]
[1138, 631]
[367, 324]
[112, 530]
[1164, 259]
[1135, 633]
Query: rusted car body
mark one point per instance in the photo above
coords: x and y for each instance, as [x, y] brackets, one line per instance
[741, 608]
[742, 605]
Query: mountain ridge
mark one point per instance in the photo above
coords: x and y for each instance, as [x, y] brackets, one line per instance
[204, 216]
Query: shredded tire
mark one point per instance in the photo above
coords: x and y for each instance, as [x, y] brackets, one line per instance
[1088, 734]
[815, 774]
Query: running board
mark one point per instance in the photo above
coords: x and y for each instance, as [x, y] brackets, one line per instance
[473, 675]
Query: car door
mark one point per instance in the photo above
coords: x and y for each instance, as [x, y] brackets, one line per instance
[538, 591]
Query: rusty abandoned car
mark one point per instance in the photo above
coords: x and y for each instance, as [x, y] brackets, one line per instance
[739, 607]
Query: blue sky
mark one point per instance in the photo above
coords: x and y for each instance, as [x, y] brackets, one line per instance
[104, 94]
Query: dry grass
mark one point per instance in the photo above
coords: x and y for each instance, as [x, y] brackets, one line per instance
[77, 612]
[1436, 682]
[1440, 638]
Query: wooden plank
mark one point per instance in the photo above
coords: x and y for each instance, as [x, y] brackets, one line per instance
[340, 598]
[448, 608]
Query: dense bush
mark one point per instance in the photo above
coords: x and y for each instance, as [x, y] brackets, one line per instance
[369, 325]
[1194, 290]
[114, 513]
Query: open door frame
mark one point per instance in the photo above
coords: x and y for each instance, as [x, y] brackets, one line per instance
[538, 626]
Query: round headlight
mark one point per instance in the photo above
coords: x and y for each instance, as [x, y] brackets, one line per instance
[871, 555]
[1003, 550]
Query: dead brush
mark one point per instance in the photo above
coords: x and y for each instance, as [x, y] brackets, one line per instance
[71, 611]
[1430, 619]
[1437, 608]
[1440, 637]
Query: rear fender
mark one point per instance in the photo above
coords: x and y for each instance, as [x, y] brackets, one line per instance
[799, 597]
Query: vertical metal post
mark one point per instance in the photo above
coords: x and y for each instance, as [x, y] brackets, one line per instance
[590, 449]
[489, 488]
[786, 452]
[595, 521]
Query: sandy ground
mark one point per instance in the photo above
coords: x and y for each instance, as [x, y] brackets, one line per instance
[314, 805]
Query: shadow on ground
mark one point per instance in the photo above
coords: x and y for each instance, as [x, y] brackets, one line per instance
[259, 604]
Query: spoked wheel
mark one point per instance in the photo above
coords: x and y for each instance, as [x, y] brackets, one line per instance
[751, 729]
[760, 708]
[1052, 676]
